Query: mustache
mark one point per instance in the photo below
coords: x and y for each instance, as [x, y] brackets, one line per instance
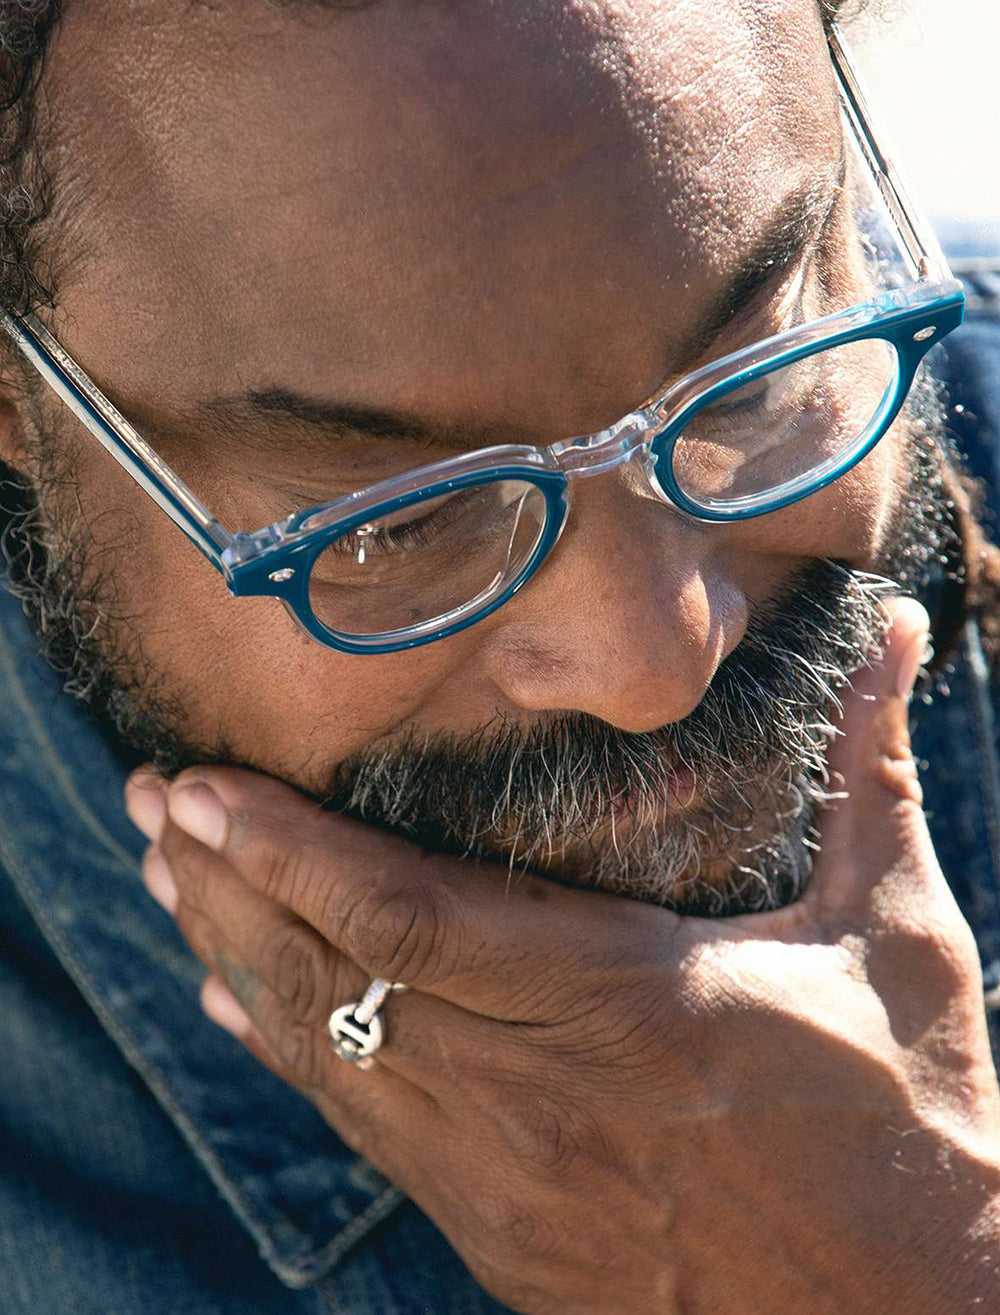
[545, 795]
[544, 791]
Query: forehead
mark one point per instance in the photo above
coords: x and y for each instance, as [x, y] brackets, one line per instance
[388, 203]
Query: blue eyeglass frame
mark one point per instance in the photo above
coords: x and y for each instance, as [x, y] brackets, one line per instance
[277, 561]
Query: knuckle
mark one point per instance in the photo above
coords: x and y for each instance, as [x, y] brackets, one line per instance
[298, 969]
[939, 952]
[897, 773]
[722, 996]
[545, 1135]
[712, 986]
[395, 933]
[300, 1049]
[515, 1231]
[720, 980]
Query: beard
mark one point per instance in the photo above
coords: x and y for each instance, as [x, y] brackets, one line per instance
[570, 797]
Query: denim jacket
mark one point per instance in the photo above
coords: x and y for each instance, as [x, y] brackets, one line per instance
[147, 1162]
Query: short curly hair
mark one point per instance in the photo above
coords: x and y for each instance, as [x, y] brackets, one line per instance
[25, 29]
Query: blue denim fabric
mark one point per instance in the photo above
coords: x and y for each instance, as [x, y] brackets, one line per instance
[956, 738]
[147, 1163]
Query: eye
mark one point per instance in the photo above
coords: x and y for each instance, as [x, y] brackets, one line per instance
[423, 523]
[742, 402]
[762, 399]
[433, 524]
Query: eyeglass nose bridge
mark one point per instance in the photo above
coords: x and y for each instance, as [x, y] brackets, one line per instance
[594, 454]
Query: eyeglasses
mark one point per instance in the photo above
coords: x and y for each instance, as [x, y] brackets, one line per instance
[425, 554]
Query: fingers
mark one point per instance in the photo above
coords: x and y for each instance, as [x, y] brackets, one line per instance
[467, 932]
[877, 832]
[273, 984]
[874, 746]
[376, 1112]
[289, 980]
[226, 921]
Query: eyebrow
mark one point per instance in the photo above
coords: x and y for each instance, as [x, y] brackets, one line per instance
[794, 228]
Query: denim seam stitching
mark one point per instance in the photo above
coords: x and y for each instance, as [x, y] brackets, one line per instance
[299, 1273]
[93, 996]
[372, 1214]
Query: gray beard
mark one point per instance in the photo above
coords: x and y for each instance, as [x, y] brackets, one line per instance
[582, 801]
[571, 797]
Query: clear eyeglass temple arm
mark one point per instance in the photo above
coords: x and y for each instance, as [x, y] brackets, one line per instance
[114, 432]
[921, 245]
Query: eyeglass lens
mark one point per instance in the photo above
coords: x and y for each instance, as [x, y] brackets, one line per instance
[428, 560]
[784, 425]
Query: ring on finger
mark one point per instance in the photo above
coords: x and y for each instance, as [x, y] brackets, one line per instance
[357, 1029]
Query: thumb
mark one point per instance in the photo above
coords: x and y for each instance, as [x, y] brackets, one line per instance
[878, 819]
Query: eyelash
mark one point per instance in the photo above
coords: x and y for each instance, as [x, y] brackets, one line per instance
[410, 534]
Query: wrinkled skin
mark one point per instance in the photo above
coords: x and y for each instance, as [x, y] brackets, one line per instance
[500, 218]
[784, 1111]
[498, 237]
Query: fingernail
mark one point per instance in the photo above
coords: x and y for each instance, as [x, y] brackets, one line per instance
[913, 659]
[145, 802]
[199, 811]
[159, 880]
[223, 1008]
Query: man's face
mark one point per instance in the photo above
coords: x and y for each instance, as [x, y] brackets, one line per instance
[497, 221]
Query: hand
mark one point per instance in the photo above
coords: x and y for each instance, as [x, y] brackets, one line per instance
[609, 1108]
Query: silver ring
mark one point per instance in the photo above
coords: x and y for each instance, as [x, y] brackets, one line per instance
[356, 1029]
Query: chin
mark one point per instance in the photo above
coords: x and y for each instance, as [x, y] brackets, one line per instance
[682, 856]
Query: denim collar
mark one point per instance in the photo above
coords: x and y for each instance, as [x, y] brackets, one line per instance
[74, 857]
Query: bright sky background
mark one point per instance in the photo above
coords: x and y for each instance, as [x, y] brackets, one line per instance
[933, 72]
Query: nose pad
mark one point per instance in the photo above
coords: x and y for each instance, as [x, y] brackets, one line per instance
[627, 448]
[648, 466]
[640, 464]
[638, 468]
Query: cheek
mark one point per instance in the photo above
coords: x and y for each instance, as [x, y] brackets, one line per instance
[849, 520]
[239, 671]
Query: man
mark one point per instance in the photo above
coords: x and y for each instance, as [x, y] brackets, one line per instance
[375, 264]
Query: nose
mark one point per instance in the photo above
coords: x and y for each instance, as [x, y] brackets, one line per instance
[627, 620]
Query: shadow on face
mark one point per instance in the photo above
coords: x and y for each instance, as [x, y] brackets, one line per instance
[305, 248]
